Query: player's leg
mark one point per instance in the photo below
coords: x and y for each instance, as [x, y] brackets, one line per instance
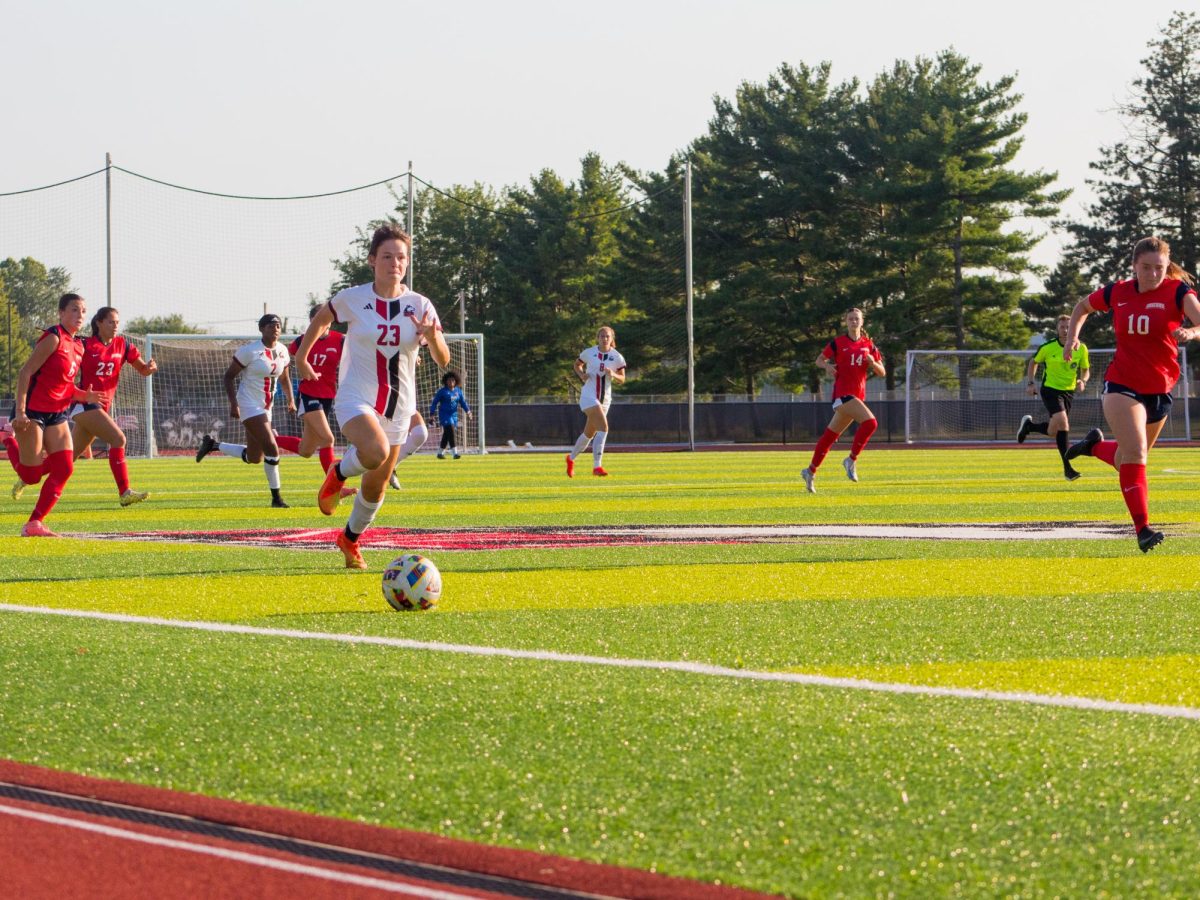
[367, 504]
[840, 422]
[14, 443]
[585, 437]
[60, 463]
[418, 434]
[454, 441]
[1126, 418]
[1060, 430]
[368, 449]
[261, 446]
[93, 423]
[598, 416]
[445, 441]
[867, 423]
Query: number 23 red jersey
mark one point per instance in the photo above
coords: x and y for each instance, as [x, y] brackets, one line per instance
[1147, 357]
[102, 365]
[53, 385]
[853, 361]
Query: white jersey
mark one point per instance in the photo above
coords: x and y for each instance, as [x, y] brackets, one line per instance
[597, 385]
[262, 367]
[379, 357]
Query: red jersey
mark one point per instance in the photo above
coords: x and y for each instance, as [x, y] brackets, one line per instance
[53, 385]
[325, 357]
[102, 366]
[853, 361]
[1147, 357]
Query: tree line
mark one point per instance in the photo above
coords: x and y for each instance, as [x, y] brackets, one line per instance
[901, 196]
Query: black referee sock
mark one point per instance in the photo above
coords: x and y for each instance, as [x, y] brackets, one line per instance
[1063, 440]
[1040, 427]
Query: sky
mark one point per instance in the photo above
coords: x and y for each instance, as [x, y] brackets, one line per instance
[275, 98]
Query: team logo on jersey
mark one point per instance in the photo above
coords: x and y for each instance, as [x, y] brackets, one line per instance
[369, 308]
[410, 310]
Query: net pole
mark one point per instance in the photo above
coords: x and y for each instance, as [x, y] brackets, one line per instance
[908, 367]
[687, 278]
[148, 412]
[1187, 397]
[408, 278]
[108, 228]
[482, 397]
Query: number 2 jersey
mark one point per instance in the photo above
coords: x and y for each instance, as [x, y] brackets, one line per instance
[101, 369]
[262, 366]
[853, 361]
[1147, 357]
[379, 357]
[53, 385]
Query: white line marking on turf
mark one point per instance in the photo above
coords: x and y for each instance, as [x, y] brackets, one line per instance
[854, 684]
[267, 862]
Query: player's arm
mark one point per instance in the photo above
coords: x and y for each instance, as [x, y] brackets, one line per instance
[1079, 315]
[824, 362]
[618, 375]
[144, 367]
[1191, 309]
[877, 364]
[580, 369]
[288, 396]
[462, 401]
[230, 381]
[42, 351]
[316, 327]
[1031, 377]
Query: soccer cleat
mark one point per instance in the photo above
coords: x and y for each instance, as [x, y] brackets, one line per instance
[330, 493]
[1070, 474]
[458, 456]
[1084, 447]
[348, 491]
[809, 478]
[599, 472]
[207, 445]
[441, 455]
[131, 497]
[279, 503]
[349, 548]
[37, 528]
[18, 489]
[393, 482]
[1023, 428]
[1148, 539]
[570, 466]
[851, 469]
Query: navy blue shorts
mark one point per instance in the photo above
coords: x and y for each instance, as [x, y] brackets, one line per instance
[840, 400]
[46, 419]
[1158, 406]
[312, 404]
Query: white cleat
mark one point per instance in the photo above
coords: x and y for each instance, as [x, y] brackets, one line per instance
[809, 478]
[131, 497]
[851, 471]
[18, 489]
[393, 482]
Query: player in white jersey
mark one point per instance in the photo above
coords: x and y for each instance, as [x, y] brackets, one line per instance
[250, 383]
[377, 394]
[599, 367]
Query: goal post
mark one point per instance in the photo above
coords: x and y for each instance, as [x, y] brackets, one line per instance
[979, 396]
[186, 398]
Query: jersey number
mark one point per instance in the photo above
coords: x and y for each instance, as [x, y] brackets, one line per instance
[1138, 324]
[318, 359]
[389, 335]
[104, 369]
[856, 360]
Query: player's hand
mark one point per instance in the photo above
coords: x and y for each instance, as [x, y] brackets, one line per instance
[427, 327]
[1184, 334]
[151, 367]
[21, 422]
[291, 404]
[1031, 390]
[1070, 349]
[306, 371]
[235, 412]
[90, 396]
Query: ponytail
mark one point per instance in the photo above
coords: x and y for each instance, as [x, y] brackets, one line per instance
[1176, 271]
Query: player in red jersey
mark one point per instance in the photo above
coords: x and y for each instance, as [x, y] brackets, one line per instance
[850, 358]
[45, 389]
[1148, 320]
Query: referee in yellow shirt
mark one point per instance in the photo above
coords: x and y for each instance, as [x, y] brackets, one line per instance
[1060, 380]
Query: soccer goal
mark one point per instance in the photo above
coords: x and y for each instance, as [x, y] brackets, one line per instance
[979, 396]
[168, 413]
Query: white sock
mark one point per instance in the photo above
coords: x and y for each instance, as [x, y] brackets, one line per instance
[362, 513]
[271, 469]
[350, 465]
[598, 448]
[234, 450]
[415, 441]
[581, 443]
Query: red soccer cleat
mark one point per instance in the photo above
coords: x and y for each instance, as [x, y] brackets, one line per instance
[36, 528]
[349, 548]
[570, 466]
[330, 494]
[599, 472]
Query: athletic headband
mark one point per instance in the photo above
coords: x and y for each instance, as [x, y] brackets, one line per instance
[268, 319]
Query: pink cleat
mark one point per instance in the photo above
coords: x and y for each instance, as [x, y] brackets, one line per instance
[570, 466]
[330, 493]
[36, 528]
[599, 472]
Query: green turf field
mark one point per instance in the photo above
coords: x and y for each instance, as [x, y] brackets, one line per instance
[798, 788]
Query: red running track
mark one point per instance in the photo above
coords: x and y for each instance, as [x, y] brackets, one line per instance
[70, 835]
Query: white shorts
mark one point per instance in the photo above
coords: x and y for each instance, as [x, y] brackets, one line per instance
[249, 412]
[395, 429]
[586, 403]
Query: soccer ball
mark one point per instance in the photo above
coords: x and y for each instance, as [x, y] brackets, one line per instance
[412, 582]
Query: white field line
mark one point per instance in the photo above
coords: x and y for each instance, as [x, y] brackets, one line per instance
[692, 668]
[267, 862]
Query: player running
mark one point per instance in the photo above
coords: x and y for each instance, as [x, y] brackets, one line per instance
[45, 389]
[850, 358]
[446, 403]
[250, 383]
[599, 367]
[385, 325]
[1148, 314]
[1060, 379]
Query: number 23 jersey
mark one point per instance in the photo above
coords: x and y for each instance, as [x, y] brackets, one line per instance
[379, 358]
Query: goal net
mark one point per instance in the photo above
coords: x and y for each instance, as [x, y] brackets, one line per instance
[980, 396]
[168, 413]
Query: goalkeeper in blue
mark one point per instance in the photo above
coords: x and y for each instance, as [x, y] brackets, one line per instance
[446, 403]
[1060, 379]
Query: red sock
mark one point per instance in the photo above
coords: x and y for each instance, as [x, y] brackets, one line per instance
[1136, 493]
[862, 435]
[116, 462]
[59, 467]
[288, 443]
[1106, 451]
[325, 455]
[29, 474]
[826, 441]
